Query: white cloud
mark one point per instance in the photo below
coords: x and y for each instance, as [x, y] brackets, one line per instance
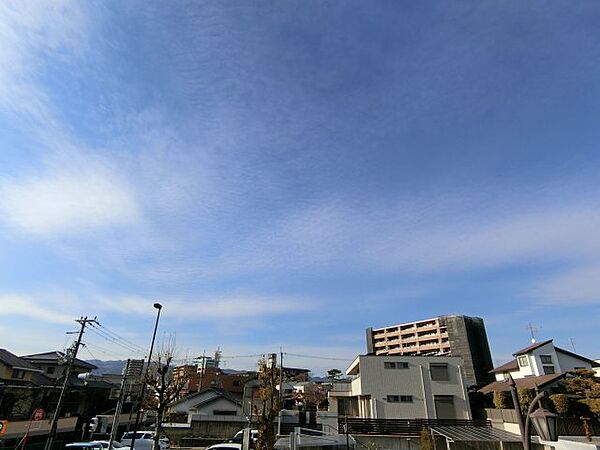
[37, 309]
[67, 202]
[194, 309]
[579, 286]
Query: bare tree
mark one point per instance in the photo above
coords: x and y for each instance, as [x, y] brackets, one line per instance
[267, 406]
[164, 387]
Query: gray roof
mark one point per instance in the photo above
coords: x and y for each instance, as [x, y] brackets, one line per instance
[12, 360]
[469, 433]
[50, 357]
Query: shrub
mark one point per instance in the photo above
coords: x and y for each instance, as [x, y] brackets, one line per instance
[426, 440]
[562, 404]
[502, 400]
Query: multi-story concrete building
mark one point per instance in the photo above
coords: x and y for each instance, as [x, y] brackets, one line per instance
[402, 387]
[451, 335]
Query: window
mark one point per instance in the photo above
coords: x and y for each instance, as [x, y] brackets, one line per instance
[236, 383]
[444, 407]
[393, 399]
[546, 359]
[222, 412]
[50, 370]
[18, 373]
[439, 372]
[406, 399]
[548, 370]
[395, 365]
[523, 362]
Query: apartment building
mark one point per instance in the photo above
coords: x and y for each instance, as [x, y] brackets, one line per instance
[450, 335]
[402, 387]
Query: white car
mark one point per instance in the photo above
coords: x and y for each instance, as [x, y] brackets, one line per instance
[225, 446]
[144, 440]
[116, 444]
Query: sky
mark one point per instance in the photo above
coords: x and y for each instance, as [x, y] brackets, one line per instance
[282, 175]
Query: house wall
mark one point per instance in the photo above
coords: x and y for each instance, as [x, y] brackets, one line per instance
[376, 382]
[6, 372]
[221, 404]
[567, 362]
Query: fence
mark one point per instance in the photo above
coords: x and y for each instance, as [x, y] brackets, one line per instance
[567, 426]
[401, 427]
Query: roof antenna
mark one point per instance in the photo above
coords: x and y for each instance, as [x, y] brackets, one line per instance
[572, 341]
[532, 330]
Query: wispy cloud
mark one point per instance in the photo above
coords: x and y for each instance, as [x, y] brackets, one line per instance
[71, 201]
[575, 287]
[38, 309]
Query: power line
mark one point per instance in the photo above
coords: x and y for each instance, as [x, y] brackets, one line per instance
[109, 338]
[133, 344]
[325, 358]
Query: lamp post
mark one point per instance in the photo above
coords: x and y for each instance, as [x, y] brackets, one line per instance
[158, 306]
[544, 421]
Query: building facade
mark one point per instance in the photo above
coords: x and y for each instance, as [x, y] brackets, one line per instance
[402, 387]
[451, 335]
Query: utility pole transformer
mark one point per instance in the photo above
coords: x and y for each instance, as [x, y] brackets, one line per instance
[83, 321]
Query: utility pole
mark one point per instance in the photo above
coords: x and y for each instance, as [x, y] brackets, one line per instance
[83, 321]
[202, 369]
[280, 379]
[115, 424]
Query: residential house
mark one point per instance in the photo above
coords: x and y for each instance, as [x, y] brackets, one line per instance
[402, 387]
[540, 365]
[15, 370]
[53, 364]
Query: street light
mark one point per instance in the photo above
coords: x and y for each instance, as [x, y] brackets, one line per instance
[158, 306]
[545, 422]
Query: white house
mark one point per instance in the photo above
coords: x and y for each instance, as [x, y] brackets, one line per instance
[210, 404]
[542, 358]
[402, 387]
[539, 365]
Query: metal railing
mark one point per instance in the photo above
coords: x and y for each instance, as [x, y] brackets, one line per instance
[401, 427]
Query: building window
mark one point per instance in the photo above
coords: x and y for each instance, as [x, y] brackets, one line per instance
[236, 383]
[50, 370]
[549, 370]
[523, 362]
[17, 373]
[395, 365]
[444, 407]
[221, 412]
[546, 359]
[393, 399]
[406, 399]
[439, 372]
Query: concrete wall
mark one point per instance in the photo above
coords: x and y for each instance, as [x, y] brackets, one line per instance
[209, 429]
[379, 382]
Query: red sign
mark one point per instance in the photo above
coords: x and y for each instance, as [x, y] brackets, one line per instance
[38, 414]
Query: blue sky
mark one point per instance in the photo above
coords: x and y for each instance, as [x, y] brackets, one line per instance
[289, 173]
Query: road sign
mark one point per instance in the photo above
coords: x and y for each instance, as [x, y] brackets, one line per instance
[39, 414]
[3, 426]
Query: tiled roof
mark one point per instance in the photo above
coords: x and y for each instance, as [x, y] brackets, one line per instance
[531, 347]
[49, 357]
[511, 365]
[12, 360]
[522, 383]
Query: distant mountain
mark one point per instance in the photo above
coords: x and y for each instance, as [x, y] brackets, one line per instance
[105, 367]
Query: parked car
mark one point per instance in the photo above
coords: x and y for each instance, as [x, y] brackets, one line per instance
[83, 446]
[225, 446]
[144, 440]
[116, 444]
[237, 438]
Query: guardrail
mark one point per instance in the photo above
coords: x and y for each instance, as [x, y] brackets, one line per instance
[401, 427]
